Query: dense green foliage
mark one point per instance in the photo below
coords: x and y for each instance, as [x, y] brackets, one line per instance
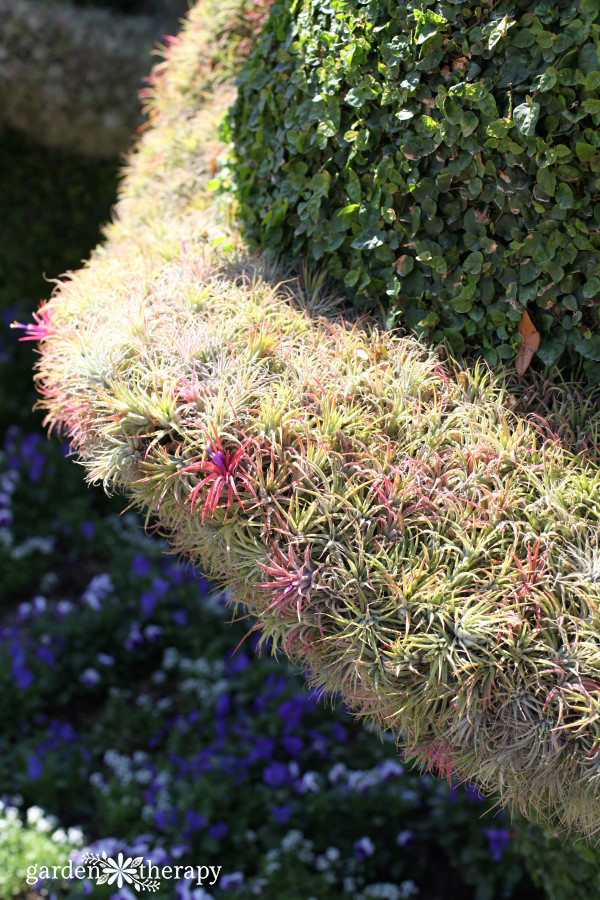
[441, 158]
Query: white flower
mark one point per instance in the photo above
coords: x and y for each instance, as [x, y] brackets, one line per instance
[34, 814]
[75, 837]
[120, 871]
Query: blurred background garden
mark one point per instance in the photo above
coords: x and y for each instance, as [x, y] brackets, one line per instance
[130, 721]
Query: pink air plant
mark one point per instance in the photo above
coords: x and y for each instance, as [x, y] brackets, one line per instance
[438, 759]
[223, 471]
[291, 579]
[37, 331]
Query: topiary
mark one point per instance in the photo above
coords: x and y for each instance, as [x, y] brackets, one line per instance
[69, 77]
[387, 519]
[441, 158]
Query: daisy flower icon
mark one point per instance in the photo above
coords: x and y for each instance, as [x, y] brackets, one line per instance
[120, 871]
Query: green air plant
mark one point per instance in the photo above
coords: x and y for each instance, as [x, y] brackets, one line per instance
[442, 159]
[385, 517]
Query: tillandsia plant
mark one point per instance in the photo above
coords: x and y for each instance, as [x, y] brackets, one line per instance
[442, 159]
[69, 77]
[386, 518]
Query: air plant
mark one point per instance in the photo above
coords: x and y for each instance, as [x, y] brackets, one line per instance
[388, 519]
[223, 471]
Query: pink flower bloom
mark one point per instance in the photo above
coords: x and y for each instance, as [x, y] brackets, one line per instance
[35, 331]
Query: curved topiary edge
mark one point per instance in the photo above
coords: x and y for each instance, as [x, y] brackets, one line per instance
[388, 521]
[70, 77]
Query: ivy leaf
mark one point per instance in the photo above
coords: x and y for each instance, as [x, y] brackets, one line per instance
[552, 348]
[369, 239]
[587, 61]
[473, 263]
[589, 347]
[499, 31]
[564, 196]
[525, 117]
[546, 180]
[585, 151]
[591, 287]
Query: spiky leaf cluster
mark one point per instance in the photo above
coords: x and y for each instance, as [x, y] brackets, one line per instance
[442, 158]
[387, 520]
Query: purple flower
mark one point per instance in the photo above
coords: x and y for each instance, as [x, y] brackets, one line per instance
[160, 587]
[152, 632]
[473, 794]
[98, 588]
[281, 814]
[291, 712]
[40, 604]
[218, 831]
[88, 530]
[134, 638]
[173, 571]
[276, 774]
[222, 706]
[148, 601]
[140, 566]
[180, 617]
[64, 607]
[309, 783]
[164, 818]
[390, 768]
[293, 745]
[105, 660]
[34, 767]
[194, 821]
[238, 662]
[231, 881]
[364, 848]
[45, 654]
[339, 733]
[24, 611]
[21, 674]
[90, 678]
[497, 839]
[263, 749]
[403, 838]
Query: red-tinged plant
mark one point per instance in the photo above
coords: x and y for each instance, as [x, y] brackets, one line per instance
[292, 579]
[224, 471]
[37, 330]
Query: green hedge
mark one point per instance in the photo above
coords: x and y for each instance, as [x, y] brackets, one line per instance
[442, 159]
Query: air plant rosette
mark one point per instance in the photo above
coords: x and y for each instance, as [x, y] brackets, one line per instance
[388, 520]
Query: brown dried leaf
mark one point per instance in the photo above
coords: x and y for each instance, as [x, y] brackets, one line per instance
[460, 64]
[530, 342]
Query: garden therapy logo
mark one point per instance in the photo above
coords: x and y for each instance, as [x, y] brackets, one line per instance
[123, 871]
[104, 869]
